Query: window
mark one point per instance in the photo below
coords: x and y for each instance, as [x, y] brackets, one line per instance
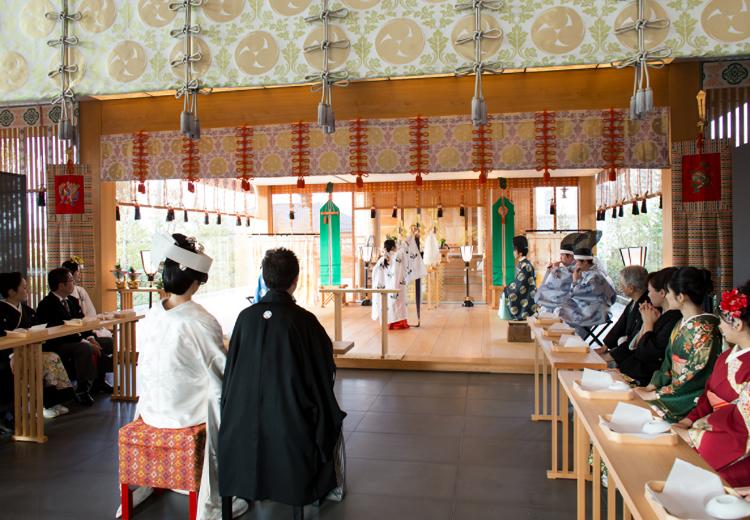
[566, 208]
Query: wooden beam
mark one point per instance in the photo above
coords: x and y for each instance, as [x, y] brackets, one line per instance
[523, 92]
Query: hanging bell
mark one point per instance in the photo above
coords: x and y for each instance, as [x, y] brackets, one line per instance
[478, 111]
[394, 213]
[373, 212]
[185, 215]
[41, 198]
[205, 218]
[170, 215]
[291, 214]
[239, 221]
[462, 211]
[137, 212]
[620, 211]
[117, 213]
[635, 209]
[644, 206]
[440, 211]
[614, 212]
[218, 219]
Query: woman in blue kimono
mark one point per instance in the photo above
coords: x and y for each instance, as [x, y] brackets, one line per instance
[521, 291]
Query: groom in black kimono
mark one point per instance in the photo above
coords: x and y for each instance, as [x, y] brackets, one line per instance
[280, 421]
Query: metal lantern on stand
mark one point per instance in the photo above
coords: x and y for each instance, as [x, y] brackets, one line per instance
[634, 255]
[467, 253]
[365, 253]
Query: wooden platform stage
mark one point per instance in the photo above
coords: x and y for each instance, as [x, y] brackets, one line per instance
[449, 338]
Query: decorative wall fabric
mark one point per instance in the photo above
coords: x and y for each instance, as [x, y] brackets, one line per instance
[726, 74]
[503, 262]
[727, 86]
[126, 47]
[702, 231]
[579, 136]
[69, 235]
[14, 235]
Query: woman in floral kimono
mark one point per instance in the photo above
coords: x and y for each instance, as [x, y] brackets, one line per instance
[719, 426]
[521, 291]
[693, 347]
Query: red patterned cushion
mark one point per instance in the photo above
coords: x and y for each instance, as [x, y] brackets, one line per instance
[161, 457]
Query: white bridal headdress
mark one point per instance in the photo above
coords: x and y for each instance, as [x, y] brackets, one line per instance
[164, 246]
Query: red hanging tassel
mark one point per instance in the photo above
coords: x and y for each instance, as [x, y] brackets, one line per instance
[358, 150]
[190, 162]
[140, 159]
[546, 145]
[482, 152]
[614, 144]
[300, 152]
[244, 154]
[419, 148]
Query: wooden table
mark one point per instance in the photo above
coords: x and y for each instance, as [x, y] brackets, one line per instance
[126, 295]
[558, 411]
[28, 370]
[341, 346]
[629, 466]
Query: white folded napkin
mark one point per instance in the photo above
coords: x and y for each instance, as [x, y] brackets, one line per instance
[595, 380]
[572, 341]
[687, 491]
[560, 327]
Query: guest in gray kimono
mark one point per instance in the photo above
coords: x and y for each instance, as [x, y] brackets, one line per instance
[521, 291]
[555, 287]
[591, 294]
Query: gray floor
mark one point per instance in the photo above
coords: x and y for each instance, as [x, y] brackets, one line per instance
[419, 446]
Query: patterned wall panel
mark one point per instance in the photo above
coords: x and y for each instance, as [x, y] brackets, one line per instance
[14, 237]
[126, 45]
[69, 235]
[580, 144]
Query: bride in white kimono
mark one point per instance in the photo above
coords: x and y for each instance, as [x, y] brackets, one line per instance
[181, 364]
[398, 266]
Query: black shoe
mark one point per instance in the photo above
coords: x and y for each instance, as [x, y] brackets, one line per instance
[85, 399]
[104, 387]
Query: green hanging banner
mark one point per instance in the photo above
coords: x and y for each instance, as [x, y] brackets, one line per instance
[503, 264]
[330, 242]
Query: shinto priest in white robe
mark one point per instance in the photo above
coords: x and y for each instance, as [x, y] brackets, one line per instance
[396, 270]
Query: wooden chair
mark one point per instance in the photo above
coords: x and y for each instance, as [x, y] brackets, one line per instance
[160, 458]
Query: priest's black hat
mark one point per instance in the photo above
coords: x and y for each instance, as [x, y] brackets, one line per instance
[568, 244]
[585, 245]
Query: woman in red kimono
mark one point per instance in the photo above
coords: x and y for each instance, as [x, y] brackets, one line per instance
[719, 426]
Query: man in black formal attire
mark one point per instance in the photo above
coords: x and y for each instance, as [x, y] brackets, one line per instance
[633, 284]
[74, 349]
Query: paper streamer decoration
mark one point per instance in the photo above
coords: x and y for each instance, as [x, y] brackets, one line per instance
[244, 154]
[358, 150]
[419, 148]
[140, 159]
[482, 151]
[300, 152]
[546, 145]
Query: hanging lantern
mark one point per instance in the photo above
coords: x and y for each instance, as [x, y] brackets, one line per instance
[170, 215]
[373, 212]
[239, 221]
[137, 212]
[218, 219]
[117, 213]
[41, 197]
[635, 210]
[205, 218]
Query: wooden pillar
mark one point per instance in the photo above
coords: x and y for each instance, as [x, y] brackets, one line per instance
[105, 236]
[263, 210]
[587, 202]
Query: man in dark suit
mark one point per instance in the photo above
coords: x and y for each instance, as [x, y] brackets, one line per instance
[633, 283]
[57, 307]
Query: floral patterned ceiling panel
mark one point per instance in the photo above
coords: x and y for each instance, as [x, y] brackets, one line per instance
[126, 47]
